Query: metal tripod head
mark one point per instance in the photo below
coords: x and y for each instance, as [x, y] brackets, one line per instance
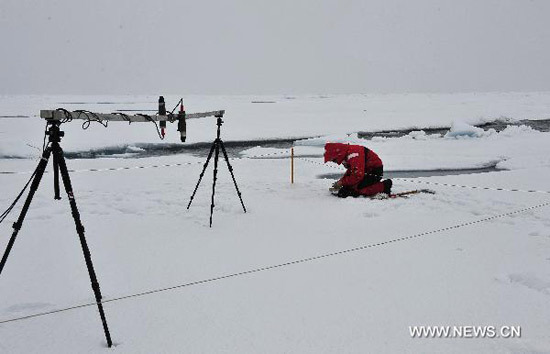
[54, 132]
[219, 123]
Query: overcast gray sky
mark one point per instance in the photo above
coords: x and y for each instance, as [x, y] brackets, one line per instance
[279, 46]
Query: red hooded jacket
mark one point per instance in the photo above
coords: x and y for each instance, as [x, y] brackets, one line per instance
[358, 160]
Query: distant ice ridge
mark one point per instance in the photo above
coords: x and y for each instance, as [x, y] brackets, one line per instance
[515, 130]
[460, 129]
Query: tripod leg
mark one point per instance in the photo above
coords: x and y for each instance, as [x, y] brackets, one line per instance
[202, 173]
[80, 230]
[232, 175]
[217, 142]
[56, 178]
[34, 186]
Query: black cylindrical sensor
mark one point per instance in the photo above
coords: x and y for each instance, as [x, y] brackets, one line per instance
[162, 106]
[162, 112]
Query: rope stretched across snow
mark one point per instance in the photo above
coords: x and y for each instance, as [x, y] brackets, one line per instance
[147, 166]
[263, 156]
[472, 187]
[282, 265]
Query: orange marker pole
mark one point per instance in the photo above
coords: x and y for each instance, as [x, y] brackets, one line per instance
[292, 165]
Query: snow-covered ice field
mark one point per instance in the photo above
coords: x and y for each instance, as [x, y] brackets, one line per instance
[359, 281]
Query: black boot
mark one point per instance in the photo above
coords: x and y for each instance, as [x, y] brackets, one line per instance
[345, 192]
[387, 186]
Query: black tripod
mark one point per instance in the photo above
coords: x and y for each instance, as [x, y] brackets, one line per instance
[59, 165]
[216, 146]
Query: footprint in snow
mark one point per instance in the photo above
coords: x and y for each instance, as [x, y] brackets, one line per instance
[27, 306]
[530, 281]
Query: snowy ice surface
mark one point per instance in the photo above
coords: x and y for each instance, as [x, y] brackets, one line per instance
[297, 116]
[142, 237]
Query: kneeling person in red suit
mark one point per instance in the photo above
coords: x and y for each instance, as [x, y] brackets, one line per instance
[364, 170]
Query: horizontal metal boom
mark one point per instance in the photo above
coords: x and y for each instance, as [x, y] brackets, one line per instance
[63, 115]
